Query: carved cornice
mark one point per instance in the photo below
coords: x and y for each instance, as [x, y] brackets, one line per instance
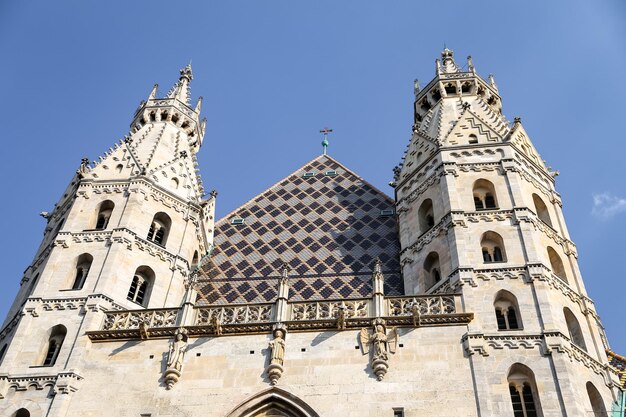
[136, 185]
[547, 343]
[61, 383]
[130, 239]
[93, 302]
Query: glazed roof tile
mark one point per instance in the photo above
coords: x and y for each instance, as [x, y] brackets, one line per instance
[619, 363]
[327, 228]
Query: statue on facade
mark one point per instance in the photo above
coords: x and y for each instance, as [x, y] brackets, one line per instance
[383, 343]
[277, 348]
[216, 325]
[83, 168]
[175, 358]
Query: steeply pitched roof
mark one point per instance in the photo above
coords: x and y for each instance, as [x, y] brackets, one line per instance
[328, 229]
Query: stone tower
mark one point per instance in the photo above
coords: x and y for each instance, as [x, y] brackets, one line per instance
[479, 215]
[124, 235]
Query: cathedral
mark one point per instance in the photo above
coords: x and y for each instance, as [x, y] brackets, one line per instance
[322, 296]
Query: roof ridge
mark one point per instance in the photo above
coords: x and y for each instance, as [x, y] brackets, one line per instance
[277, 183]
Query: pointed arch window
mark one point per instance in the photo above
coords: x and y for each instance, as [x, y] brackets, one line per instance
[22, 412]
[104, 214]
[425, 215]
[523, 392]
[273, 402]
[484, 195]
[574, 329]
[541, 210]
[432, 270]
[83, 264]
[194, 260]
[556, 264]
[141, 285]
[55, 341]
[159, 228]
[597, 404]
[507, 311]
[492, 247]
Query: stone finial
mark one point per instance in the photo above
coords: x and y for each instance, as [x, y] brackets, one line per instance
[470, 64]
[416, 87]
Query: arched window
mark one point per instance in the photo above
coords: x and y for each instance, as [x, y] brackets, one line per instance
[159, 228]
[523, 391]
[597, 404]
[507, 311]
[194, 260]
[273, 402]
[55, 341]
[541, 210]
[473, 139]
[556, 264]
[104, 214]
[83, 264]
[492, 247]
[174, 183]
[425, 215]
[141, 285]
[22, 412]
[573, 327]
[484, 195]
[432, 270]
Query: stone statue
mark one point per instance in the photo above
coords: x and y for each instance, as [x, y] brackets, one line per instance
[175, 358]
[216, 325]
[277, 348]
[341, 318]
[384, 343]
[177, 350]
[83, 168]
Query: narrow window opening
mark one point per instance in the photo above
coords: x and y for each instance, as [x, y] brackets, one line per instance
[104, 214]
[55, 341]
[473, 139]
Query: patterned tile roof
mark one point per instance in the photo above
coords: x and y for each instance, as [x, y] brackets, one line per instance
[618, 362]
[324, 221]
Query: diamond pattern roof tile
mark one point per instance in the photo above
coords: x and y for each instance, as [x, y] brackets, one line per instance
[328, 229]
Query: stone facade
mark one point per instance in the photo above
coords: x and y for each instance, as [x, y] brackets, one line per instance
[319, 297]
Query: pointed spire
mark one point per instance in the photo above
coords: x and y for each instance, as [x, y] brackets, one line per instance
[198, 105]
[438, 65]
[153, 93]
[447, 60]
[181, 90]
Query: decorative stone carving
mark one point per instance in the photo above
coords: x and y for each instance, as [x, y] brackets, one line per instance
[384, 343]
[144, 331]
[216, 325]
[341, 318]
[277, 347]
[175, 358]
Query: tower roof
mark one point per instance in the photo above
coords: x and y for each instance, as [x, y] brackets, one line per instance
[324, 221]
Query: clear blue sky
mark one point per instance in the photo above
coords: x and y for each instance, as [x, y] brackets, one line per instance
[273, 73]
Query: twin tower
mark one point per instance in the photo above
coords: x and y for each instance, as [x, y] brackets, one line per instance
[319, 297]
